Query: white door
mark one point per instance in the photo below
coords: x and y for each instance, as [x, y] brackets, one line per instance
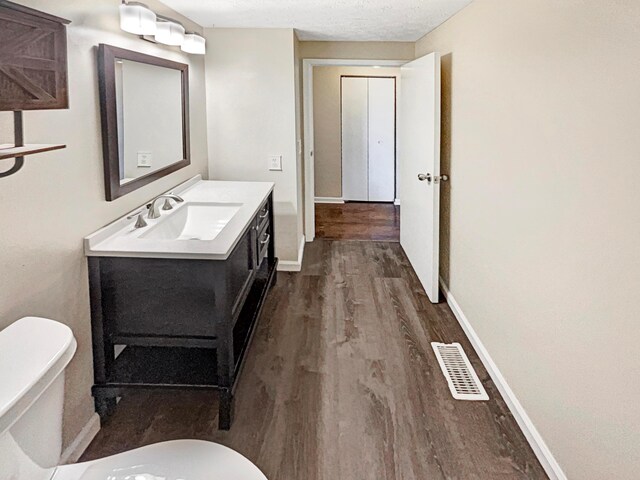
[382, 139]
[355, 139]
[368, 139]
[419, 155]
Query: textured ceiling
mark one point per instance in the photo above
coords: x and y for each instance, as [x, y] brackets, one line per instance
[358, 20]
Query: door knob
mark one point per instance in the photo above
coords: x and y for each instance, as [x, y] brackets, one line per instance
[428, 177]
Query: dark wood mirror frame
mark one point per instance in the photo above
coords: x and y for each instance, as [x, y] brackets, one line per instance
[107, 56]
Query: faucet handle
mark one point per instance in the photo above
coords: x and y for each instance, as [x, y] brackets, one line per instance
[167, 204]
[140, 222]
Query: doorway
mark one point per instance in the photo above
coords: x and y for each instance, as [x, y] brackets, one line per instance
[350, 116]
[366, 125]
[327, 200]
[418, 156]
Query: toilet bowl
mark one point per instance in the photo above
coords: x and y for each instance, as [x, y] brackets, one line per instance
[33, 355]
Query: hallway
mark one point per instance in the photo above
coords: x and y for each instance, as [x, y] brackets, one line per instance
[341, 383]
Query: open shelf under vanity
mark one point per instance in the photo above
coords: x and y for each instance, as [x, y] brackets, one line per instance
[191, 367]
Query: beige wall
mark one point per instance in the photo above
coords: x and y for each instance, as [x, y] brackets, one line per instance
[359, 50]
[542, 232]
[58, 197]
[251, 94]
[327, 124]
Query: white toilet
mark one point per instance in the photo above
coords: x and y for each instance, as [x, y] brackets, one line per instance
[33, 355]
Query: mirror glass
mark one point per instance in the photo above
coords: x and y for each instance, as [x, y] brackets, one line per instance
[149, 118]
[144, 102]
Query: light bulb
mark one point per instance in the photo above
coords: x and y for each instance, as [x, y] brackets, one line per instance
[169, 33]
[193, 43]
[136, 18]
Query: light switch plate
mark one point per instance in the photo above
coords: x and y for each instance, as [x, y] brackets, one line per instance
[145, 159]
[275, 162]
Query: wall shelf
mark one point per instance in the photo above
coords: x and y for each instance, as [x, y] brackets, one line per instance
[9, 151]
[33, 73]
[18, 150]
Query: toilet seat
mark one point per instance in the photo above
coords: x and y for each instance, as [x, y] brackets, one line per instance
[173, 460]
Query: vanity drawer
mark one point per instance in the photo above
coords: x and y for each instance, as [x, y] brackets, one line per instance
[262, 219]
[264, 233]
[263, 245]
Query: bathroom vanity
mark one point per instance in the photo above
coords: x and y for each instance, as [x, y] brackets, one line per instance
[182, 295]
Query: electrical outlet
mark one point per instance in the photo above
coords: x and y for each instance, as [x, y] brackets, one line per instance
[145, 159]
[275, 162]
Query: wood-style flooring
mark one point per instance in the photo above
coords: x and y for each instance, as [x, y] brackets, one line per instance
[341, 383]
[358, 221]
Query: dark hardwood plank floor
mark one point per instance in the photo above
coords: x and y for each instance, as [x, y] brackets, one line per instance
[358, 221]
[341, 383]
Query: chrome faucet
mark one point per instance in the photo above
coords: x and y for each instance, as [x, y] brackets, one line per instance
[153, 211]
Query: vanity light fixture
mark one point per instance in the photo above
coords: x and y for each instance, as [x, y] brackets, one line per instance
[137, 18]
[194, 43]
[169, 33]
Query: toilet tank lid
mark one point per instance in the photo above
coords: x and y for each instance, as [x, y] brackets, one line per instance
[33, 352]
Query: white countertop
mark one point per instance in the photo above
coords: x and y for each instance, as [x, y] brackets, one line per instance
[121, 239]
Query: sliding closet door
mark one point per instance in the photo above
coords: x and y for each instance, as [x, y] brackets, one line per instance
[355, 136]
[382, 118]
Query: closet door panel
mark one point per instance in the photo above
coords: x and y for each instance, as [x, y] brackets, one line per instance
[381, 143]
[354, 139]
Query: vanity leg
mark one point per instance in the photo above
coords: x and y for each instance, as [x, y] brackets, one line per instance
[224, 350]
[103, 349]
[105, 406]
[225, 410]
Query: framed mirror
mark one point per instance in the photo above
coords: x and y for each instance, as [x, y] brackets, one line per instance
[144, 102]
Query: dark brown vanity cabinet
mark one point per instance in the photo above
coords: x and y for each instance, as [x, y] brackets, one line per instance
[184, 323]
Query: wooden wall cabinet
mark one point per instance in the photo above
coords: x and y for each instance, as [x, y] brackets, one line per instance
[33, 59]
[33, 72]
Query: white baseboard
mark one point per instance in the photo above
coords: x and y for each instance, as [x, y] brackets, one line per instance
[532, 435]
[290, 265]
[328, 200]
[396, 201]
[79, 444]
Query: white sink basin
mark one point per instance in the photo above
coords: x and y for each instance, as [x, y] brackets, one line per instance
[194, 221]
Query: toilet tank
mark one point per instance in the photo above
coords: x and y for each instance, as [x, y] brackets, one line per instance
[33, 355]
